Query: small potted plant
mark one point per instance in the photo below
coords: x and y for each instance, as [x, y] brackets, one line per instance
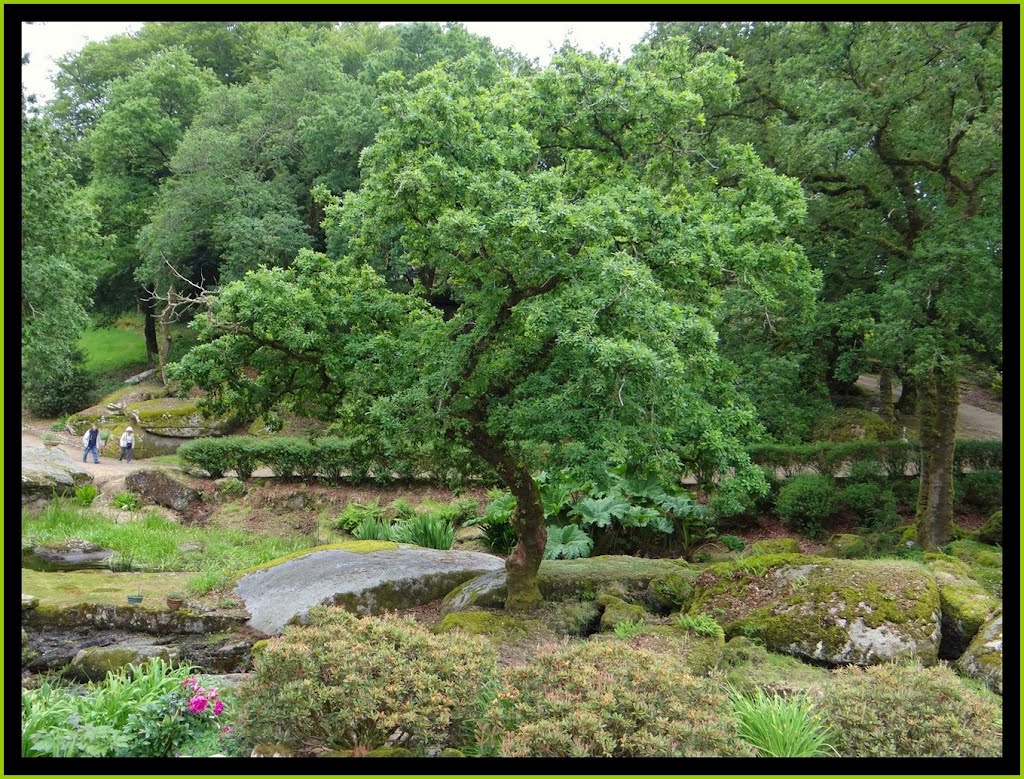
[175, 600]
[136, 598]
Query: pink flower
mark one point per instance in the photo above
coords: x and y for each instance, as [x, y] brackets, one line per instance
[212, 693]
[190, 682]
[218, 707]
[197, 705]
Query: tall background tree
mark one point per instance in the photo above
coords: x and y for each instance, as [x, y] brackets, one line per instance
[60, 250]
[895, 131]
[566, 238]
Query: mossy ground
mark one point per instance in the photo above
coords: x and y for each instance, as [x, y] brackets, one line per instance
[69, 588]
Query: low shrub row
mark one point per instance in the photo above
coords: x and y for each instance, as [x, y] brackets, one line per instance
[350, 683]
[353, 459]
[893, 458]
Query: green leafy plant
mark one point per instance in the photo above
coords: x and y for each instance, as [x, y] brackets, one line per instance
[701, 624]
[373, 529]
[781, 727]
[496, 521]
[425, 530]
[567, 543]
[732, 543]
[355, 514]
[627, 629]
[85, 495]
[128, 501]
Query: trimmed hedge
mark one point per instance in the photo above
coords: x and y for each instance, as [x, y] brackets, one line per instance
[892, 457]
[331, 459]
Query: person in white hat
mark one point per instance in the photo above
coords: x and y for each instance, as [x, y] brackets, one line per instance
[127, 442]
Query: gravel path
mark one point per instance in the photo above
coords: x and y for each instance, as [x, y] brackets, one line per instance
[972, 421]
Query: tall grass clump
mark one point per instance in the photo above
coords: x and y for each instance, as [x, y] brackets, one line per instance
[425, 530]
[781, 727]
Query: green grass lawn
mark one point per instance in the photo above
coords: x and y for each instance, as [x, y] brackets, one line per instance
[121, 347]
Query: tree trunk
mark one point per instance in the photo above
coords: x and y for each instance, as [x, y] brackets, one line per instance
[149, 311]
[908, 397]
[938, 403]
[164, 333]
[885, 395]
[523, 564]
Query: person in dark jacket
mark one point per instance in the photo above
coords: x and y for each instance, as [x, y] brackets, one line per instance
[91, 442]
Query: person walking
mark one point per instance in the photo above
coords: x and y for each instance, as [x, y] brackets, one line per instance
[127, 442]
[91, 443]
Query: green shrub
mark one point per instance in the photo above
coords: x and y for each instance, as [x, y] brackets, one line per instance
[65, 393]
[806, 501]
[908, 711]
[496, 521]
[980, 489]
[872, 503]
[355, 514]
[425, 530]
[781, 727]
[865, 472]
[701, 624]
[852, 424]
[732, 543]
[607, 699]
[977, 455]
[128, 501]
[343, 681]
[401, 510]
[85, 495]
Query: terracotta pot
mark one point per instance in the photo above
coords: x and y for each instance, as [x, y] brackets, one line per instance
[174, 603]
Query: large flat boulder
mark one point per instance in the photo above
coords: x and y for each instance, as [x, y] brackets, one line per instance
[365, 577]
[175, 418]
[146, 444]
[984, 656]
[840, 612]
[47, 470]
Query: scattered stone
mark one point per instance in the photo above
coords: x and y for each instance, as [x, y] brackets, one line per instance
[28, 601]
[140, 376]
[94, 663]
[73, 553]
[846, 546]
[384, 577]
[984, 656]
[617, 610]
[46, 471]
[163, 488]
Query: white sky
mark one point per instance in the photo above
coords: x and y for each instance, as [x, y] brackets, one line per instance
[47, 41]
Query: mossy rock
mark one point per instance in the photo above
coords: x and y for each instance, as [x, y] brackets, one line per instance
[846, 546]
[146, 444]
[986, 562]
[983, 658]
[826, 610]
[772, 546]
[94, 662]
[450, 752]
[389, 752]
[936, 561]
[966, 605]
[992, 531]
[748, 667]
[852, 424]
[617, 610]
[575, 618]
[499, 627]
[176, 418]
[630, 578]
[673, 592]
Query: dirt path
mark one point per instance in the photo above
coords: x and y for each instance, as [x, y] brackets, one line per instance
[972, 421]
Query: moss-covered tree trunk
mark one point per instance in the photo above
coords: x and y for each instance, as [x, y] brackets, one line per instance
[164, 333]
[908, 396]
[523, 565]
[938, 403]
[885, 395]
[149, 312]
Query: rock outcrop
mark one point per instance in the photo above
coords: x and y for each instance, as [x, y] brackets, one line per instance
[163, 488]
[984, 657]
[47, 471]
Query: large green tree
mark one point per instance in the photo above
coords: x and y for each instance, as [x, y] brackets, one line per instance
[60, 247]
[895, 130]
[569, 235]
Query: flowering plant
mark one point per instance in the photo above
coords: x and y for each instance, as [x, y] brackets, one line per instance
[202, 701]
